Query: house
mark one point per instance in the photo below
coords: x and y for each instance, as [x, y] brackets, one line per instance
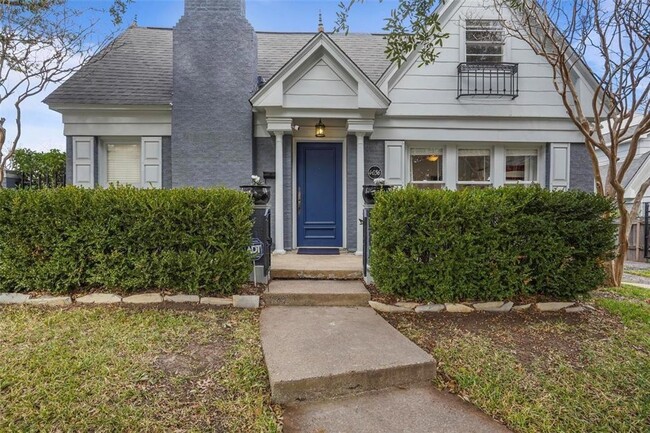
[636, 175]
[638, 172]
[210, 102]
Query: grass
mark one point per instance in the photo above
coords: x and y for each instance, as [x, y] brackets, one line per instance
[111, 369]
[639, 272]
[558, 372]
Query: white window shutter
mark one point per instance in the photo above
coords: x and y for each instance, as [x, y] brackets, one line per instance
[560, 159]
[394, 163]
[83, 167]
[152, 162]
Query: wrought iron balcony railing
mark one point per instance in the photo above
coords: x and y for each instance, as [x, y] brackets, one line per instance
[488, 79]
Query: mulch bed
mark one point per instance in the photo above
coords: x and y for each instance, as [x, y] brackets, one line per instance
[528, 334]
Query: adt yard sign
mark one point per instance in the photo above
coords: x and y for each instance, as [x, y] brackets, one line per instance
[256, 248]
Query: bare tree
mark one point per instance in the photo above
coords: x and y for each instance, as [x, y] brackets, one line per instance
[43, 42]
[615, 34]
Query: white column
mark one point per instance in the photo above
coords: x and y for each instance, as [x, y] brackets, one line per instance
[360, 178]
[279, 196]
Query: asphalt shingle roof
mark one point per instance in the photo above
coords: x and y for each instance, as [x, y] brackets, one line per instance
[138, 69]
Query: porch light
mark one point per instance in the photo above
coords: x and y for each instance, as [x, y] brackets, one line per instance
[320, 129]
[432, 158]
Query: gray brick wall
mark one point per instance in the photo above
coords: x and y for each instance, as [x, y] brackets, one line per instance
[68, 160]
[547, 175]
[166, 162]
[215, 64]
[581, 174]
[231, 6]
[351, 199]
[95, 162]
[264, 159]
[374, 154]
[287, 156]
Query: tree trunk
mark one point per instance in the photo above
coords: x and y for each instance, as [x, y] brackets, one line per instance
[616, 268]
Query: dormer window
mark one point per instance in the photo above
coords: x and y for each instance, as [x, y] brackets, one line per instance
[484, 73]
[484, 41]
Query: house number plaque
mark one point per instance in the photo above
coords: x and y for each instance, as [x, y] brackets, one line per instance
[374, 172]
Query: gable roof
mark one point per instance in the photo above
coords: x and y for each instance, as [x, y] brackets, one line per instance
[318, 47]
[138, 70]
[445, 11]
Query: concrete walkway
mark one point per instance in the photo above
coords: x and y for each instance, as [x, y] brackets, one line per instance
[345, 369]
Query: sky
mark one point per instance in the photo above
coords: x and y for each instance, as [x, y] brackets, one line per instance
[43, 129]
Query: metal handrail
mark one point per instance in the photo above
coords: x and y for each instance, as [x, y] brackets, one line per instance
[488, 79]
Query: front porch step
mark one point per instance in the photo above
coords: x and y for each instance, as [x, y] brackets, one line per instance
[316, 293]
[292, 266]
[315, 274]
[321, 352]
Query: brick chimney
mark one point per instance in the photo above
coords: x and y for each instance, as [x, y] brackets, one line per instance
[215, 73]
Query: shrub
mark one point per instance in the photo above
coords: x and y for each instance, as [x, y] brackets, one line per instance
[490, 244]
[124, 239]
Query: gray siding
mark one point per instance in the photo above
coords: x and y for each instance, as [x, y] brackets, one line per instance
[581, 174]
[215, 63]
[264, 160]
[68, 160]
[95, 162]
[547, 169]
[374, 154]
[166, 162]
[288, 191]
[351, 199]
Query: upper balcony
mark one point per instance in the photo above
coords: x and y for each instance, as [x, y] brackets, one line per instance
[488, 79]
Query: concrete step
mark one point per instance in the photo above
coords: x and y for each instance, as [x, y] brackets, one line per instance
[414, 410]
[316, 293]
[303, 266]
[321, 352]
[315, 274]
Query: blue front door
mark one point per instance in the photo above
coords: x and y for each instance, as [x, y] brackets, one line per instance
[320, 195]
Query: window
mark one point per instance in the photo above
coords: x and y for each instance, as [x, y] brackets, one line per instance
[123, 164]
[484, 41]
[427, 168]
[521, 166]
[474, 167]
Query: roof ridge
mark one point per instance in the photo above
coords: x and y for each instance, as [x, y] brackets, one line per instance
[272, 32]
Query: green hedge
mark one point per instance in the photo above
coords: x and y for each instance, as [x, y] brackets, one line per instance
[124, 239]
[490, 244]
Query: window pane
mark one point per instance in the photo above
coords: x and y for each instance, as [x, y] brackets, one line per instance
[123, 164]
[484, 41]
[482, 35]
[426, 168]
[473, 167]
[429, 185]
[483, 49]
[521, 168]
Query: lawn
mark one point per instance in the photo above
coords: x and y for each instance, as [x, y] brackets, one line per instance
[106, 369]
[547, 372]
[639, 272]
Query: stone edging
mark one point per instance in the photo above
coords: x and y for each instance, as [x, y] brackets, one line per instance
[237, 301]
[493, 307]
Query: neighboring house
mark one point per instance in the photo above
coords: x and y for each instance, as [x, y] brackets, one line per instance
[211, 102]
[638, 172]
